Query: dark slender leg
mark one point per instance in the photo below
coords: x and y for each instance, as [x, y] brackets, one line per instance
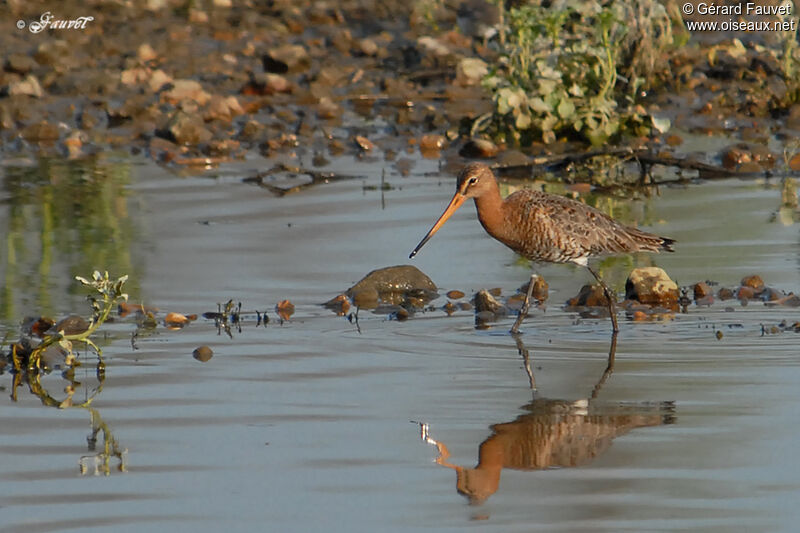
[612, 352]
[526, 360]
[612, 307]
[523, 312]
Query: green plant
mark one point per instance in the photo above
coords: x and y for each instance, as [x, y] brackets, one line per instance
[105, 296]
[561, 72]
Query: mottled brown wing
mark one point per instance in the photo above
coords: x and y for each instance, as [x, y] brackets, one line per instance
[552, 228]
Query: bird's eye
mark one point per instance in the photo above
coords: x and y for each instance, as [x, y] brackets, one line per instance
[472, 181]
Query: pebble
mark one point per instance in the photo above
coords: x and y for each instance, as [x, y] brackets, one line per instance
[651, 285]
[27, 87]
[203, 353]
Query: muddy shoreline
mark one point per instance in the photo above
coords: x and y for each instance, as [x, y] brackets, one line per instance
[201, 86]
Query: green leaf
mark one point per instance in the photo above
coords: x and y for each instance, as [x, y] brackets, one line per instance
[537, 104]
[566, 109]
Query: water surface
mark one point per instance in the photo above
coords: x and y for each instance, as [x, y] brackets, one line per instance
[306, 425]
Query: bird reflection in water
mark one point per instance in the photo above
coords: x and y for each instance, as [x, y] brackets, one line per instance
[550, 434]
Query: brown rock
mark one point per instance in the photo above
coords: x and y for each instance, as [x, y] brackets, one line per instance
[286, 58]
[285, 309]
[72, 325]
[42, 132]
[725, 294]
[753, 281]
[540, 289]
[27, 87]
[146, 53]
[339, 304]
[651, 285]
[589, 295]
[20, 63]
[203, 353]
[395, 284]
[223, 108]
[745, 293]
[484, 302]
[432, 143]
[701, 290]
[455, 295]
[187, 90]
[183, 128]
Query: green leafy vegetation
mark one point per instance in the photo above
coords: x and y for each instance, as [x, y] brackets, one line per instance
[106, 294]
[576, 70]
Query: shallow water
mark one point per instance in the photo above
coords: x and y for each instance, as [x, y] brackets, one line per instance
[307, 425]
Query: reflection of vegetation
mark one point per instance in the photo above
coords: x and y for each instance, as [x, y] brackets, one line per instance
[63, 218]
[101, 461]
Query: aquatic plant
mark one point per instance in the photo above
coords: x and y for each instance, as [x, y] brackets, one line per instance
[104, 297]
[576, 69]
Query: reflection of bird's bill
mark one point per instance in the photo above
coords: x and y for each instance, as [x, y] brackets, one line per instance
[451, 208]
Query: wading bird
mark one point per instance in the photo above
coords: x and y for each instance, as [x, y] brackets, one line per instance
[545, 227]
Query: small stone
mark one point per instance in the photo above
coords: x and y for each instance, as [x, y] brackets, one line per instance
[187, 90]
[158, 78]
[540, 289]
[27, 87]
[725, 294]
[146, 53]
[72, 325]
[223, 108]
[20, 63]
[285, 309]
[364, 143]
[368, 47]
[327, 109]
[589, 296]
[286, 58]
[340, 304]
[203, 353]
[431, 143]
[753, 281]
[478, 148]
[701, 290]
[401, 314]
[485, 302]
[745, 293]
[176, 319]
[455, 295]
[794, 162]
[651, 285]
[674, 140]
[41, 132]
[186, 129]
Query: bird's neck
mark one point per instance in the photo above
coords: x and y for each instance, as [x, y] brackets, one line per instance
[491, 212]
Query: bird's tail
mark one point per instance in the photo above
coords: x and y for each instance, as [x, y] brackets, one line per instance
[666, 244]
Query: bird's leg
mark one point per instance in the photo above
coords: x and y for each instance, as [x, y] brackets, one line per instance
[612, 308]
[523, 312]
[612, 352]
[526, 360]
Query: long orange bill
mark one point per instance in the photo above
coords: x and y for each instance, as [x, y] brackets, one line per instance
[451, 208]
